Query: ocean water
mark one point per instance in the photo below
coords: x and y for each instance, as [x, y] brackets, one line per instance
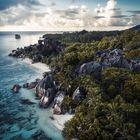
[17, 119]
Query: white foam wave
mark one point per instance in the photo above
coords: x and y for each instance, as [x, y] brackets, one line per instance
[39, 66]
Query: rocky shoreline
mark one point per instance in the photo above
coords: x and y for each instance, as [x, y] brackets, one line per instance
[50, 91]
[84, 80]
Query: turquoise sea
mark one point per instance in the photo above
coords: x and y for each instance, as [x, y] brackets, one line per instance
[19, 120]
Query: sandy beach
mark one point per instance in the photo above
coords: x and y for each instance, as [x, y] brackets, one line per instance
[39, 66]
[59, 120]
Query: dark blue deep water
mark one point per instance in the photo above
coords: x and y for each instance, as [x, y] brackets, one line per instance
[17, 120]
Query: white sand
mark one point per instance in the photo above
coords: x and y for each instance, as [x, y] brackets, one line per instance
[60, 120]
[40, 66]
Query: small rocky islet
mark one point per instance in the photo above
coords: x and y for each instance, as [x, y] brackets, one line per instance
[90, 79]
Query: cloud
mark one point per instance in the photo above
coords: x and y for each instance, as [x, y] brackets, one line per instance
[112, 16]
[72, 12]
[136, 19]
[135, 16]
[27, 13]
[70, 17]
[5, 4]
[19, 15]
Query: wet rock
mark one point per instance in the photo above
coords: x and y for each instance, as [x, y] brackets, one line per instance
[16, 88]
[17, 36]
[26, 85]
[39, 135]
[37, 80]
[27, 102]
[47, 98]
[32, 85]
[16, 53]
[51, 117]
[43, 85]
[10, 54]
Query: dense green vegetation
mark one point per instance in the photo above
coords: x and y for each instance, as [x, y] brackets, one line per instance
[111, 109]
[82, 37]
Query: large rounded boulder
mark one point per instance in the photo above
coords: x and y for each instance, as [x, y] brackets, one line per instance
[47, 98]
[58, 102]
[93, 68]
[47, 82]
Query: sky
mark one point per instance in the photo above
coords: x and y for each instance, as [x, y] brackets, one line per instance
[68, 15]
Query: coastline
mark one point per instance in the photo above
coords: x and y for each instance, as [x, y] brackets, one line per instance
[105, 75]
[59, 120]
[39, 66]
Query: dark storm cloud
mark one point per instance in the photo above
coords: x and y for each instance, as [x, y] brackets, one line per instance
[115, 9]
[5, 4]
[119, 16]
[69, 13]
[134, 12]
[98, 17]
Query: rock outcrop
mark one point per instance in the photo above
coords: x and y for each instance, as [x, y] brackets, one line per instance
[47, 82]
[31, 85]
[93, 68]
[17, 53]
[17, 36]
[78, 94]
[49, 46]
[108, 58]
[46, 90]
[47, 97]
[45, 47]
[16, 88]
[37, 58]
[58, 102]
